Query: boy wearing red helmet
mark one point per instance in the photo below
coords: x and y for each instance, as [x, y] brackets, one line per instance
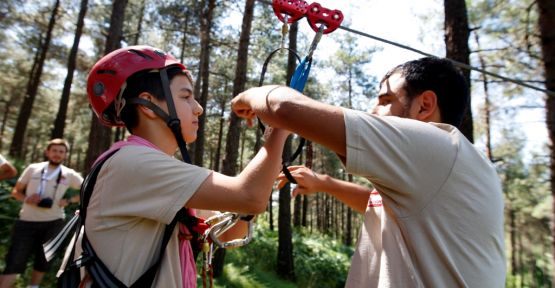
[141, 187]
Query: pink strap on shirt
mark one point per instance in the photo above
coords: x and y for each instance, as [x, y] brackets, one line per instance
[131, 141]
[188, 265]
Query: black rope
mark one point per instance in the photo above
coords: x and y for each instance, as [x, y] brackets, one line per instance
[285, 162]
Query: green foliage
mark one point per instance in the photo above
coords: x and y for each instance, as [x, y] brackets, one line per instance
[320, 261]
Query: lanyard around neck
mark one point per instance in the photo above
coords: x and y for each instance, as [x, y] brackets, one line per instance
[44, 178]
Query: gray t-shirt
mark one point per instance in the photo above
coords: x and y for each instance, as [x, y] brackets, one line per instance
[436, 217]
[138, 191]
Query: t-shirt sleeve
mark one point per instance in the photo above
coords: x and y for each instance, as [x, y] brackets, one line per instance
[25, 175]
[147, 183]
[406, 160]
[76, 180]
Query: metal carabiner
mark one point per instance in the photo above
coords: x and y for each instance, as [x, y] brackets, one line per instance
[220, 223]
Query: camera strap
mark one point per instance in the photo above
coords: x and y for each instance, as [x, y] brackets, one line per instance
[44, 179]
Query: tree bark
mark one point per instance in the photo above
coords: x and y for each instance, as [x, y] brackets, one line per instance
[285, 267]
[206, 15]
[32, 88]
[100, 135]
[9, 104]
[232, 143]
[60, 122]
[456, 44]
[547, 35]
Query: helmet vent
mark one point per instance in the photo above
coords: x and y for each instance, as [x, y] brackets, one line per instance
[98, 89]
[160, 53]
[137, 52]
[111, 72]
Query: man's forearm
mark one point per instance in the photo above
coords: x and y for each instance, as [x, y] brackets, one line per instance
[19, 196]
[354, 195]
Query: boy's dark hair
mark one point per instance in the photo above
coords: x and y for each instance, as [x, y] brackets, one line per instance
[143, 81]
[440, 76]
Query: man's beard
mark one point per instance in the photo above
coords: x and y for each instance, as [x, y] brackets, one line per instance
[52, 163]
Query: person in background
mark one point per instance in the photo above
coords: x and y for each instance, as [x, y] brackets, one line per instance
[41, 188]
[7, 170]
[435, 218]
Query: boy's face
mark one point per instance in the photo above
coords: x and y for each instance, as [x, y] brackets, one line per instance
[187, 108]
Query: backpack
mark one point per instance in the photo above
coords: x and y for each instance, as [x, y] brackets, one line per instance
[69, 275]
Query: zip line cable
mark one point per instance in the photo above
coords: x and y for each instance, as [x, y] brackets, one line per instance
[456, 63]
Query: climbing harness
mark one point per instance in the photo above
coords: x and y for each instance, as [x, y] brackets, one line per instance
[323, 21]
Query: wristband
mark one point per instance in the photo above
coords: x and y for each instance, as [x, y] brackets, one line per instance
[246, 218]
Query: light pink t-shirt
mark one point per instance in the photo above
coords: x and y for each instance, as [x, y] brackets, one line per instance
[138, 191]
[436, 217]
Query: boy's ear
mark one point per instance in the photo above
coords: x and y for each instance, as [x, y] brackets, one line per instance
[145, 110]
[428, 106]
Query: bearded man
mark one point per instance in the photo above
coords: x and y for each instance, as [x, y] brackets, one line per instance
[41, 187]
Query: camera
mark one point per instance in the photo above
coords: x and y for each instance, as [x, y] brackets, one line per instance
[45, 202]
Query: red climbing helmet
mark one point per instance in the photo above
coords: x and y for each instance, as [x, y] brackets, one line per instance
[109, 74]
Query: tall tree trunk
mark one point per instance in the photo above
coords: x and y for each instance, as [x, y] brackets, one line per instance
[285, 267]
[120, 131]
[60, 122]
[32, 88]
[298, 203]
[100, 135]
[487, 101]
[184, 40]
[8, 107]
[309, 160]
[232, 143]
[233, 132]
[206, 14]
[217, 157]
[547, 36]
[349, 224]
[456, 43]
[140, 24]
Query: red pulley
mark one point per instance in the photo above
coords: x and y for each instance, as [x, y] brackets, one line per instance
[318, 15]
[294, 9]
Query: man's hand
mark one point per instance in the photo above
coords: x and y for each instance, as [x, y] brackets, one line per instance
[33, 199]
[63, 203]
[308, 181]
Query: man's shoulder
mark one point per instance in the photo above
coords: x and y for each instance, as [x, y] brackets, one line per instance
[67, 170]
[36, 166]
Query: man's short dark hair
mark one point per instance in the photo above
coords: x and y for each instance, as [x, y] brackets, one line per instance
[57, 142]
[143, 81]
[443, 78]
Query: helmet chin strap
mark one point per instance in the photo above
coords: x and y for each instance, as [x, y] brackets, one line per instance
[171, 119]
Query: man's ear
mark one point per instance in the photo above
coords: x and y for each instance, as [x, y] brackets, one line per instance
[145, 110]
[428, 110]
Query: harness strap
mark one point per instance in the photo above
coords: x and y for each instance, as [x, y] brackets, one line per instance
[173, 122]
[100, 273]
